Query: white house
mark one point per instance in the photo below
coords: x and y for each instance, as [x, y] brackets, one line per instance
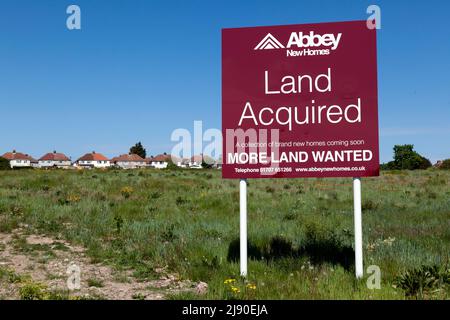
[196, 161]
[179, 162]
[93, 160]
[54, 160]
[160, 161]
[129, 161]
[183, 163]
[18, 159]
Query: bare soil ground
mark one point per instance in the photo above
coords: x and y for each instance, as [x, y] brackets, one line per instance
[45, 260]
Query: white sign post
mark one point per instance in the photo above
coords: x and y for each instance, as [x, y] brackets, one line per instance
[358, 227]
[243, 225]
[357, 224]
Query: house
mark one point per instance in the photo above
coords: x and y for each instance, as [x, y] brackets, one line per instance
[183, 163]
[128, 161]
[54, 160]
[179, 162]
[34, 163]
[160, 161]
[197, 161]
[93, 160]
[19, 160]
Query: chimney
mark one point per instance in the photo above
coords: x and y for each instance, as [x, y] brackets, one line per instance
[54, 151]
[93, 152]
[14, 151]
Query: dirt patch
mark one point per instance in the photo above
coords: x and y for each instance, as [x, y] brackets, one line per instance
[53, 262]
[36, 239]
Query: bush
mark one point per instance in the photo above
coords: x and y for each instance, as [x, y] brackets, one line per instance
[445, 165]
[172, 166]
[422, 281]
[32, 291]
[4, 164]
[405, 158]
[206, 165]
[126, 192]
[388, 166]
[93, 282]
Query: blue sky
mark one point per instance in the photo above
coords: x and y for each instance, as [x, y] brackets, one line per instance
[137, 70]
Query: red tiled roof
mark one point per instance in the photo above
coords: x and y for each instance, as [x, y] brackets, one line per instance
[128, 158]
[160, 157]
[93, 156]
[53, 156]
[17, 156]
[176, 159]
[197, 158]
[201, 158]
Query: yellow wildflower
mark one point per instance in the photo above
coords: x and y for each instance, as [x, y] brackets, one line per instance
[228, 281]
[126, 191]
[73, 198]
[251, 286]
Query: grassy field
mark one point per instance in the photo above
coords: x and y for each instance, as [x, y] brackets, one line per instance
[300, 230]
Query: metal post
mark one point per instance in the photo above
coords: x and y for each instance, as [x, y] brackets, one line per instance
[243, 225]
[358, 227]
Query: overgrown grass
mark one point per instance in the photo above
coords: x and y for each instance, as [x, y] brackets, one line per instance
[32, 290]
[300, 230]
[92, 282]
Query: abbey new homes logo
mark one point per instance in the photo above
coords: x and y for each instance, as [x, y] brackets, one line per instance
[302, 44]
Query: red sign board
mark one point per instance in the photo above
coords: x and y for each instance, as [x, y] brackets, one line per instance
[300, 101]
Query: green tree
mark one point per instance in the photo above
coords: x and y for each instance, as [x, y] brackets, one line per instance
[139, 150]
[4, 164]
[405, 158]
[206, 165]
[387, 166]
[445, 164]
[172, 166]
